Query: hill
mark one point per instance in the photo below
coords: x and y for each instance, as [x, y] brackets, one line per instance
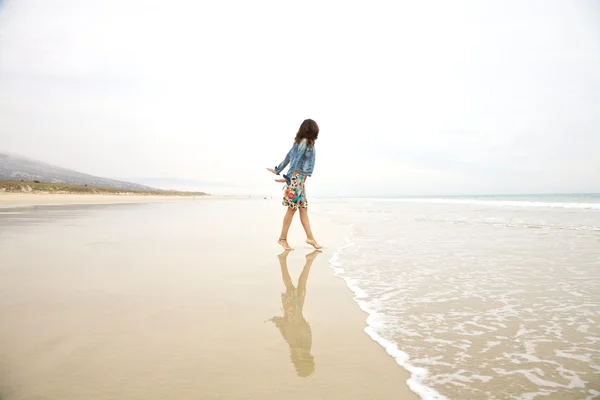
[16, 168]
[64, 188]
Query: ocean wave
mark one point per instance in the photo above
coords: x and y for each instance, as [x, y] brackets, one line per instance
[499, 203]
[436, 300]
[418, 374]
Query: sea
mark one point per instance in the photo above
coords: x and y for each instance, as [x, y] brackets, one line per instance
[479, 297]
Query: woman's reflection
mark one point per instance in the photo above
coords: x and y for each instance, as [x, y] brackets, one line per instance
[293, 327]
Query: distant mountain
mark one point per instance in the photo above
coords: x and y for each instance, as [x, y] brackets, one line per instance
[16, 168]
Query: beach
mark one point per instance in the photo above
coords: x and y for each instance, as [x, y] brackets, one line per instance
[178, 298]
[42, 199]
[434, 298]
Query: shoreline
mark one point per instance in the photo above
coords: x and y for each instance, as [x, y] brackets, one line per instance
[422, 293]
[401, 358]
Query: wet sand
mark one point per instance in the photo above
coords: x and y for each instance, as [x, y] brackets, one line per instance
[185, 300]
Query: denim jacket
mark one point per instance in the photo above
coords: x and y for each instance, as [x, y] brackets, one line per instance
[301, 158]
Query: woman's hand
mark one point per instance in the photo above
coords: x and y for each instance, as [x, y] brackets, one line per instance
[280, 180]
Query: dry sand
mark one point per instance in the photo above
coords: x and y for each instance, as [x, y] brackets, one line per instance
[174, 301]
[12, 199]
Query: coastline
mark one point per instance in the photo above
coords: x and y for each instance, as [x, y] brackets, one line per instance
[416, 374]
[184, 316]
[416, 269]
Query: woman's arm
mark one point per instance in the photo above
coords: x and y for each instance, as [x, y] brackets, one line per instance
[277, 170]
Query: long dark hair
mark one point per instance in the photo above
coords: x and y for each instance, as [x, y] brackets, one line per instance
[308, 130]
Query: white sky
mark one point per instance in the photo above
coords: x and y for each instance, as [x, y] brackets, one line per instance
[420, 97]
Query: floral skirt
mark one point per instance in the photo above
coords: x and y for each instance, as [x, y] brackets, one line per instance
[294, 195]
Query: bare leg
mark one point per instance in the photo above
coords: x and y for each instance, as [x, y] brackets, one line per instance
[287, 221]
[310, 239]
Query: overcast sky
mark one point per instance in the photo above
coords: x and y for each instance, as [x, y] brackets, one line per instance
[419, 97]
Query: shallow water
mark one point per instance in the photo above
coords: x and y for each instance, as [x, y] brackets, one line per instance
[479, 299]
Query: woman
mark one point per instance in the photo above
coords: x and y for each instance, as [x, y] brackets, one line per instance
[301, 159]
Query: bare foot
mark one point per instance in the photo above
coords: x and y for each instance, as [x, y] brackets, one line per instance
[280, 180]
[314, 243]
[313, 255]
[271, 170]
[283, 243]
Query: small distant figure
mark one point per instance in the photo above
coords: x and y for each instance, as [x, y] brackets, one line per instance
[301, 160]
[293, 327]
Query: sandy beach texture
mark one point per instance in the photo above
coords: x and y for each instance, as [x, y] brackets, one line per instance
[179, 300]
[12, 199]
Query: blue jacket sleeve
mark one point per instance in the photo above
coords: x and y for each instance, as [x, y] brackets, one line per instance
[285, 162]
[295, 159]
